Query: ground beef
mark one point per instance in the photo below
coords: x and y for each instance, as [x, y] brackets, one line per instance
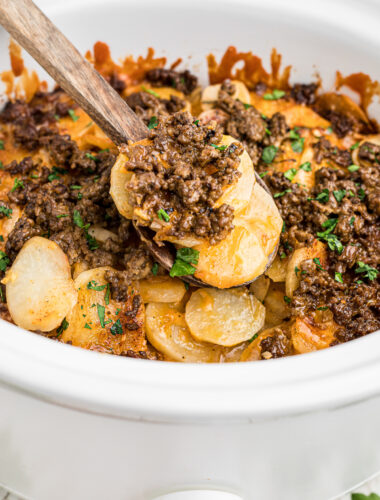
[183, 81]
[276, 345]
[193, 178]
[341, 124]
[147, 106]
[323, 150]
[352, 199]
[276, 130]
[116, 83]
[304, 93]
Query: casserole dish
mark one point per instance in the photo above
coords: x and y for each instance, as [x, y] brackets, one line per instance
[77, 424]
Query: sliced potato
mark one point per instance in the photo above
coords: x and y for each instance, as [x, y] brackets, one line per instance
[210, 94]
[276, 307]
[101, 234]
[162, 289]
[277, 271]
[308, 337]
[122, 328]
[224, 317]
[40, 290]
[119, 179]
[243, 255]
[317, 250]
[168, 332]
[260, 287]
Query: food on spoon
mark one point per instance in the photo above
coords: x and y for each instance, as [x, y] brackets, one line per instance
[40, 290]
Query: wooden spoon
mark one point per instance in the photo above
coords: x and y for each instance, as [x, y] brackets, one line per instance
[29, 26]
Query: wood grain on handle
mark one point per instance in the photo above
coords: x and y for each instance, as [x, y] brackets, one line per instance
[51, 49]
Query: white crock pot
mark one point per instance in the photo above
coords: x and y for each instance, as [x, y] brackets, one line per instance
[77, 425]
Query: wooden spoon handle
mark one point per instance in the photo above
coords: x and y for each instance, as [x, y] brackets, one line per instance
[51, 49]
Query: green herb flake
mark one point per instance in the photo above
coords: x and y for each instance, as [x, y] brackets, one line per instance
[361, 194]
[352, 220]
[282, 255]
[253, 338]
[184, 263]
[61, 216]
[101, 313]
[149, 91]
[287, 299]
[18, 184]
[107, 295]
[282, 193]
[297, 145]
[6, 211]
[353, 168]
[75, 187]
[283, 227]
[64, 326]
[246, 105]
[368, 271]
[296, 270]
[322, 308]
[317, 262]
[269, 154]
[155, 269]
[306, 166]
[92, 285]
[338, 277]
[196, 122]
[77, 218]
[87, 326]
[329, 130]
[268, 132]
[339, 195]
[91, 157]
[163, 215]
[276, 94]
[290, 174]
[153, 122]
[1, 237]
[333, 242]
[73, 116]
[219, 148]
[1, 145]
[4, 261]
[355, 146]
[116, 328]
[323, 196]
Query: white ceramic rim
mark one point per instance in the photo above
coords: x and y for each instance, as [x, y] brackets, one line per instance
[159, 391]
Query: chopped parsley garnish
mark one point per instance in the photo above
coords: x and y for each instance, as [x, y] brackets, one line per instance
[370, 272]
[107, 295]
[75, 187]
[253, 338]
[92, 285]
[61, 216]
[339, 195]
[329, 226]
[305, 166]
[268, 132]
[332, 241]
[1, 165]
[317, 262]
[1, 237]
[263, 174]
[269, 154]
[64, 326]
[149, 91]
[73, 116]
[185, 262]
[338, 277]
[283, 227]
[361, 194]
[323, 196]
[278, 195]
[282, 255]
[17, 184]
[101, 313]
[361, 496]
[1, 144]
[155, 269]
[55, 173]
[6, 211]
[77, 218]
[116, 328]
[78, 221]
[322, 308]
[290, 174]
[4, 260]
[287, 299]
[219, 148]
[276, 94]
[91, 157]
[87, 326]
[297, 145]
[329, 130]
[351, 222]
[355, 146]
[163, 215]
[153, 122]
[196, 122]
[296, 270]
[353, 168]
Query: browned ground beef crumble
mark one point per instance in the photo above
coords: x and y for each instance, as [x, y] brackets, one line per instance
[187, 191]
